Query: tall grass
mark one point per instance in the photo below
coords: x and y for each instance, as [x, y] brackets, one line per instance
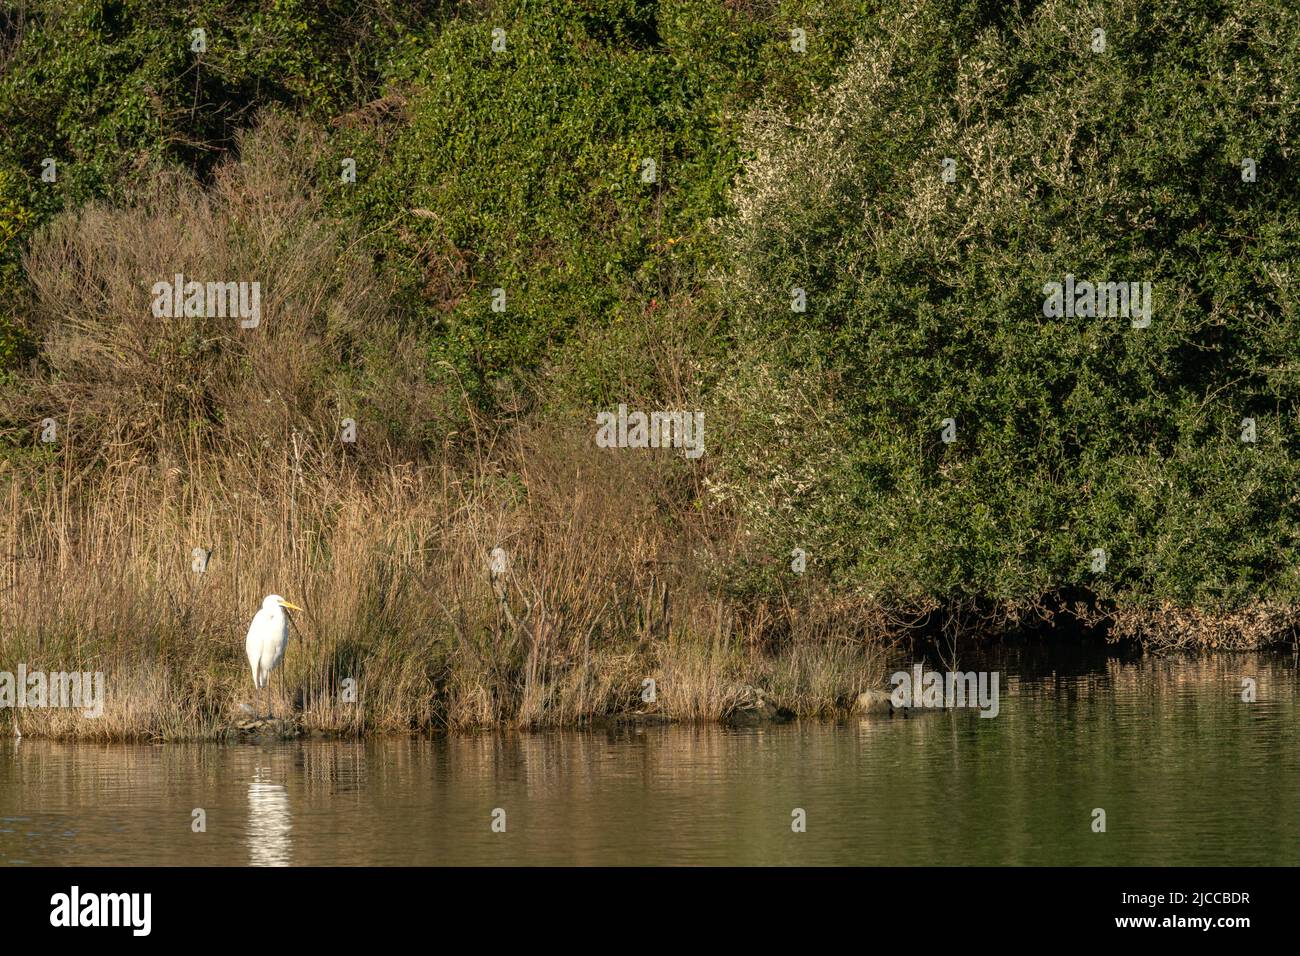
[392, 569]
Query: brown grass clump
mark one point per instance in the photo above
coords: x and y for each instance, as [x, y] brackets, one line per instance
[330, 344]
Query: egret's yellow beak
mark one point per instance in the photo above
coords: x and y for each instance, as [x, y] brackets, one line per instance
[292, 607]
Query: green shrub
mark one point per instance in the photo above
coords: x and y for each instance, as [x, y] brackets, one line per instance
[522, 170]
[111, 88]
[925, 302]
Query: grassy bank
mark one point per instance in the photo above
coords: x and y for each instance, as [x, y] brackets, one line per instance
[392, 569]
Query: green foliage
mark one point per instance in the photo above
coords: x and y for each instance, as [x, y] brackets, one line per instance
[523, 169]
[925, 302]
[111, 88]
[15, 219]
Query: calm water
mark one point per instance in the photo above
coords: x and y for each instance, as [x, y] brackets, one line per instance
[1186, 772]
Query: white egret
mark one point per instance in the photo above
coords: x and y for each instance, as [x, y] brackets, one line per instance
[267, 636]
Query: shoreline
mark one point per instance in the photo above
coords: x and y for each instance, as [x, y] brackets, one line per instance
[738, 703]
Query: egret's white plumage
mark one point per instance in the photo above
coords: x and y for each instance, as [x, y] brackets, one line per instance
[267, 637]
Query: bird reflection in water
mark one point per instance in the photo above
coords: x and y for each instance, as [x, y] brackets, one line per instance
[269, 842]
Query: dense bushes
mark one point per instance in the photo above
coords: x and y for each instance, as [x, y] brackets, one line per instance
[925, 303]
[111, 89]
[477, 169]
[524, 169]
